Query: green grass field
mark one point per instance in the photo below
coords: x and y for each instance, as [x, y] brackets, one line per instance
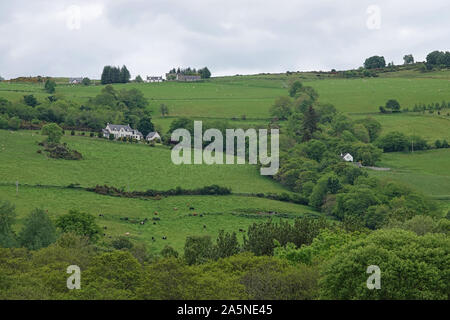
[139, 167]
[133, 166]
[431, 127]
[427, 171]
[229, 213]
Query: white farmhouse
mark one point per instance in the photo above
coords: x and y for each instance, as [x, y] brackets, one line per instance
[120, 131]
[154, 79]
[347, 157]
[153, 136]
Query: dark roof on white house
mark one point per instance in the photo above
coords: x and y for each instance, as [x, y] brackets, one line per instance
[119, 126]
[151, 134]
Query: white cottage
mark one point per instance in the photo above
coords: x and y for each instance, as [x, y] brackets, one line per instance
[152, 136]
[347, 157]
[121, 131]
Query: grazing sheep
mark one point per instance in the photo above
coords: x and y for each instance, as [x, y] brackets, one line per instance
[127, 233]
[175, 209]
[100, 215]
[164, 238]
[142, 222]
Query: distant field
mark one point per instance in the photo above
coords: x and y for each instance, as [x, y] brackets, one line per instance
[366, 95]
[252, 96]
[430, 127]
[427, 171]
[229, 213]
[134, 166]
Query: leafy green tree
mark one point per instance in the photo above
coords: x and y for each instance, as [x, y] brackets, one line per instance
[393, 105]
[164, 110]
[314, 149]
[169, 252]
[198, 249]
[138, 79]
[226, 245]
[124, 75]
[53, 131]
[435, 58]
[411, 267]
[50, 86]
[167, 279]
[295, 87]
[122, 243]
[282, 108]
[7, 219]
[30, 100]
[14, 123]
[375, 62]
[393, 141]
[106, 75]
[276, 280]
[408, 59]
[38, 231]
[80, 223]
[86, 81]
[309, 125]
[373, 127]
[361, 133]
[204, 73]
[145, 125]
[113, 275]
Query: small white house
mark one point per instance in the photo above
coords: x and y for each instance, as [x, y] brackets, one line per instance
[154, 79]
[152, 136]
[120, 131]
[75, 80]
[347, 157]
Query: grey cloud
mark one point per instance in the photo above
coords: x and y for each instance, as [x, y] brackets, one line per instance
[234, 36]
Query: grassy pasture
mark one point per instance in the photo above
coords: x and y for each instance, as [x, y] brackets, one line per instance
[427, 171]
[229, 213]
[133, 166]
[431, 127]
[229, 97]
[366, 95]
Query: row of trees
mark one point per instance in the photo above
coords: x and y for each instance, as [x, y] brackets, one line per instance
[112, 74]
[204, 73]
[434, 59]
[306, 259]
[109, 106]
[311, 143]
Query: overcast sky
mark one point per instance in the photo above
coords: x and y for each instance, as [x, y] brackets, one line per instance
[78, 37]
